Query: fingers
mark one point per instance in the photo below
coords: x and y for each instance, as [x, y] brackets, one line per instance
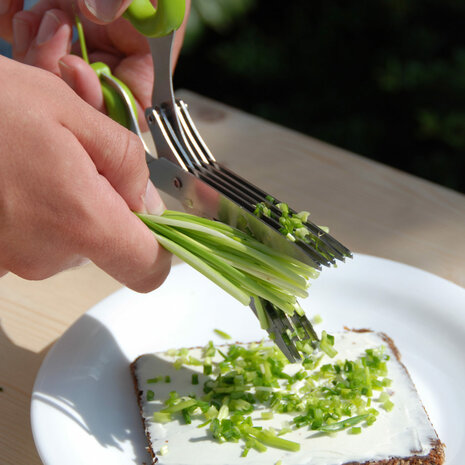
[42, 41]
[8, 8]
[78, 215]
[126, 249]
[107, 231]
[118, 155]
[25, 25]
[103, 11]
[120, 243]
[136, 71]
[82, 79]
[126, 39]
[45, 41]
[69, 183]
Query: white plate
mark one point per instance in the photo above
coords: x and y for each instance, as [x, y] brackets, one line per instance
[83, 405]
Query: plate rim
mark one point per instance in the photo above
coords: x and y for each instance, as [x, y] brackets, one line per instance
[103, 303]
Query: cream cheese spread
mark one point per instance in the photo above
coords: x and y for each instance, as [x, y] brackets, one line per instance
[402, 432]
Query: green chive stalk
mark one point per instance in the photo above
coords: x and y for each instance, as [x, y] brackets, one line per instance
[239, 264]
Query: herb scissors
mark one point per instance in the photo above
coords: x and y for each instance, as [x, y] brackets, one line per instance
[186, 169]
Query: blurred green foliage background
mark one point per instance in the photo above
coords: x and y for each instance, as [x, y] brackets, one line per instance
[383, 78]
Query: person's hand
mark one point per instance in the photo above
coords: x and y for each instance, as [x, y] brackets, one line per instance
[8, 8]
[98, 11]
[69, 178]
[42, 37]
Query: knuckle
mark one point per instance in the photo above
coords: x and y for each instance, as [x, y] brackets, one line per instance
[130, 159]
[134, 156]
[131, 174]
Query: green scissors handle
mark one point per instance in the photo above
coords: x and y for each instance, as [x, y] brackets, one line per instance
[149, 21]
[156, 22]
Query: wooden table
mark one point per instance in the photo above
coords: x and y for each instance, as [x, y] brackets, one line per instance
[371, 208]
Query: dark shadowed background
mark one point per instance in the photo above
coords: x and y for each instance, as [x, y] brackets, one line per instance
[383, 78]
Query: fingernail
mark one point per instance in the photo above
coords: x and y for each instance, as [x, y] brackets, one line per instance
[152, 200]
[21, 35]
[49, 25]
[4, 6]
[67, 74]
[105, 10]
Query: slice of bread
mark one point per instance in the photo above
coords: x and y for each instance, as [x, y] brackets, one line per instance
[403, 436]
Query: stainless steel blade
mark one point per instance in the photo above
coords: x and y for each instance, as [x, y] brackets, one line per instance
[201, 199]
[276, 330]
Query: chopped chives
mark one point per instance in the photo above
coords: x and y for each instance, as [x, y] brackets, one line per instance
[271, 440]
[386, 382]
[150, 395]
[179, 406]
[160, 417]
[205, 423]
[186, 415]
[223, 412]
[388, 405]
[211, 413]
[222, 334]
[327, 398]
[343, 424]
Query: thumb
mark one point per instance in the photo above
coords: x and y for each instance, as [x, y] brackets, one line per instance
[103, 11]
[53, 39]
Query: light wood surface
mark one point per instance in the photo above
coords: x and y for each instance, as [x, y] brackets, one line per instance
[370, 208]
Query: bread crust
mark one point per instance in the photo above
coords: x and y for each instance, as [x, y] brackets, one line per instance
[437, 454]
[139, 393]
[435, 457]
